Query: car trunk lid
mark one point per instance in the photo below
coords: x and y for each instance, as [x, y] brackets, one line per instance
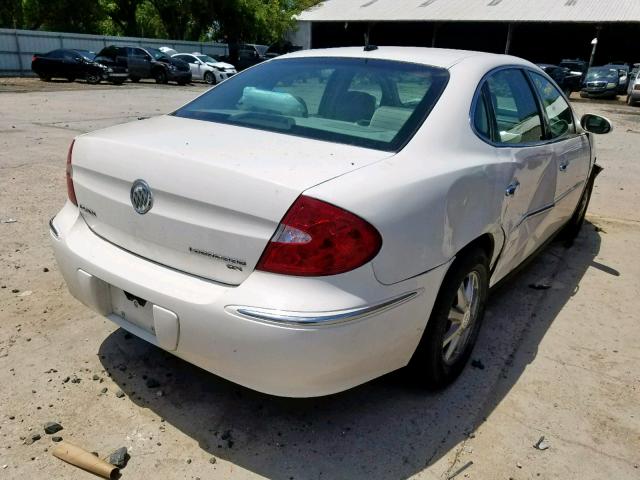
[219, 191]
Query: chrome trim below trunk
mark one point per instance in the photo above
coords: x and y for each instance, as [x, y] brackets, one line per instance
[318, 319]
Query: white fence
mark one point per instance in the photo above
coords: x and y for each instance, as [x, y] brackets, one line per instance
[17, 46]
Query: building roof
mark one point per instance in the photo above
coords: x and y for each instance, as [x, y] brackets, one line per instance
[596, 11]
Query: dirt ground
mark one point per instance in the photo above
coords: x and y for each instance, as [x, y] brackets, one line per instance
[560, 363]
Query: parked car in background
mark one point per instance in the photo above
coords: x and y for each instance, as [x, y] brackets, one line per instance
[601, 82]
[303, 228]
[72, 64]
[203, 67]
[623, 76]
[251, 54]
[281, 48]
[168, 50]
[560, 75]
[633, 91]
[148, 63]
[577, 72]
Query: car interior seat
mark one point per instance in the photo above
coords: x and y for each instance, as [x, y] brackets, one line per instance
[353, 106]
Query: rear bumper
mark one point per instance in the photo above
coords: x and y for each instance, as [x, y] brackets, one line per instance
[116, 75]
[286, 336]
[178, 76]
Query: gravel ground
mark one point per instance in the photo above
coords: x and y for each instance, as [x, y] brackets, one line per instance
[559, 363]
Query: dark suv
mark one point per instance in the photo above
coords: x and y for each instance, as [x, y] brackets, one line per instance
[145, 62]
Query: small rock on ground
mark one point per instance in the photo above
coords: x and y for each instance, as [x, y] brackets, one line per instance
[52, 427]
[32, 438]
[119, 458]
[541, 444]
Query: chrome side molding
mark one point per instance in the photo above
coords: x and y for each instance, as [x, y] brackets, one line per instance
[319, 319]
[53, 229]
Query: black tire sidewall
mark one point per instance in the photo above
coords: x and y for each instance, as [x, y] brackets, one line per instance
[160, 76]
[93, 79]
[427, 364]
[211, 76]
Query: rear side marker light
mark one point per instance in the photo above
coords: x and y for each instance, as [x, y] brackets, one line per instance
[71, 192]
[316, 238]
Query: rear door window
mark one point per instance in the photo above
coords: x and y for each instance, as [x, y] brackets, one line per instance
[558, 111]
[515, 108]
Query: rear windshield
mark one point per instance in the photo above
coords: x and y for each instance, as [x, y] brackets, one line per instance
[369, 103]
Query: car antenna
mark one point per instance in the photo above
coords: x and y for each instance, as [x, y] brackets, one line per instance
[367, 46]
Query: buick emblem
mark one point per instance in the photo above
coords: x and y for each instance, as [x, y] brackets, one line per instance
[141, 197]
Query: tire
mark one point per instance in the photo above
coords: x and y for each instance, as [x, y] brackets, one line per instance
[572, 228]
[93, 78]
[630, 101]
[160, 76]
[134, 79]
[210, 78]
[45, 78]
[437, 362]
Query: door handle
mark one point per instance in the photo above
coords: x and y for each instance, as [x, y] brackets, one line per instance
[563, 166]
[511, 189]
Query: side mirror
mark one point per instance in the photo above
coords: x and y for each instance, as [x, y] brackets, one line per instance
[596, 124]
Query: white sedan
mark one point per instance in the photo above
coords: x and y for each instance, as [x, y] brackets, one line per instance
[355, 212]
[203, 67]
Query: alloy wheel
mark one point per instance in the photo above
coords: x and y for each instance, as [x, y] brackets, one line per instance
[462, 318]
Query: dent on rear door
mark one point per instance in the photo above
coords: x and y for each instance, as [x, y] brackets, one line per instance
[526, 218]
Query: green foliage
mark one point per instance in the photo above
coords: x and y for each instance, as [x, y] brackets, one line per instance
[260, 21]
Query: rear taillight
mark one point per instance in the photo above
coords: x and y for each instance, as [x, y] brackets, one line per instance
[316, 238]
[70, 190]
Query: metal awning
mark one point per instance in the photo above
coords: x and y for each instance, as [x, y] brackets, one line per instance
[579, 11]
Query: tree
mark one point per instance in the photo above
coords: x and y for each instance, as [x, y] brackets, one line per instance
[79, 16]
[123, 15]
[259, 21]
[11, 14]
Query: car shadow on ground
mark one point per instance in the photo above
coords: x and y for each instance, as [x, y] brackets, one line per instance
[384, 429]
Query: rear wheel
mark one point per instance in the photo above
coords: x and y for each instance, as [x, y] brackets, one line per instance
[210, 78]
[630, 101]
[454, 323]
[160, 76]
